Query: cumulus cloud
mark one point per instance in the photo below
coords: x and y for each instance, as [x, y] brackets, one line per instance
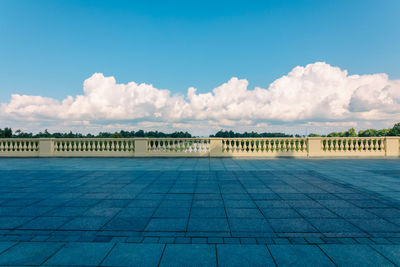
[314, 94]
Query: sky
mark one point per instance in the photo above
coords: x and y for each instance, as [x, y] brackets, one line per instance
[199, 66]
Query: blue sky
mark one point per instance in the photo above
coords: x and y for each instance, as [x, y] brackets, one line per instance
[48, 48]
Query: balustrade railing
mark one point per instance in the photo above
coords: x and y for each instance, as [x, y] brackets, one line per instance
[257, 146]
[14, 147]
[353, 145]
[175, 146]
[201, 147]
[94, 146]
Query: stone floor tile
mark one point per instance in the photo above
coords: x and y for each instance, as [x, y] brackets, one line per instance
[45, 223]
[130, 254]
[79, 254]
[249, 225]
[280, 213]
[333, 225]
[208, 224]
[29, 253]
[189, 255]
[207, 213]
[294, 225]
[299, 255]
[355, 255]
[85, 223]
[167, 224]
[391, 252]
[231, 240]
[244, 255]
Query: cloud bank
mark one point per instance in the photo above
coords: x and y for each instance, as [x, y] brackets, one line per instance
[317, 95]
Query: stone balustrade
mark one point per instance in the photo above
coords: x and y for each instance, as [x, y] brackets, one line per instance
[202, 147]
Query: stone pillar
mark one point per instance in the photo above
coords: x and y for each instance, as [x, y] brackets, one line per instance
[392, 146]
[314, 146]
[46, 147]
[141, 147]
[215, 147]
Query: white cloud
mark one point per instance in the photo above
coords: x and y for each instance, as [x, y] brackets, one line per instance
[316, 93]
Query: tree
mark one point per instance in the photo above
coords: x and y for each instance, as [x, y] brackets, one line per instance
[350, 133]
[395, 131]
[7, 132]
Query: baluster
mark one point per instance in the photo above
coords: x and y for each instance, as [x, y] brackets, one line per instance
[107, 143]
[1, 145]
[267, 145]
[362, 145]
[346, 145]
[356, 145]
[367, 145]
[84, 145]
[111, 145]
[181, 145]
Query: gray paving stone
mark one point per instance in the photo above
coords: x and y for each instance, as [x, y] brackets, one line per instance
[50, 223]
[189, 255]
[355, 255]
[6, 245]
[392, 252]
[85, 223]
[167, 224]
[334, 225]
[208, 224]
[244, 255]
[207, 212]
[293, 225]
[130, 254]
[80, 254]
[249, 225]
[177, 199]
[299, 255]
[29, 253]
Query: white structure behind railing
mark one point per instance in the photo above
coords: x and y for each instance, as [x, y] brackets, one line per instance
[202, 147]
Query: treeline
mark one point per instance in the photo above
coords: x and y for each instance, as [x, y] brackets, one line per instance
[8, 133]
[232, 134]
[395, 131]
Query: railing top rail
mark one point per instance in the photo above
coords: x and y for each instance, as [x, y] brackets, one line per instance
[92, 139]
[178, 138]
[262, 138]
[368, 137]
[19, 139]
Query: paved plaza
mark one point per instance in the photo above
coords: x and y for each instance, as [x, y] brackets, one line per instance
[199, 212]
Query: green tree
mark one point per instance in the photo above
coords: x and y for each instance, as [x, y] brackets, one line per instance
[395, 131]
